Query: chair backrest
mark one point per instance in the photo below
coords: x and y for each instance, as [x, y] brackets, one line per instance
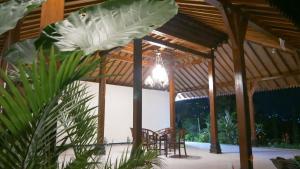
[171, 134]
[181, 135]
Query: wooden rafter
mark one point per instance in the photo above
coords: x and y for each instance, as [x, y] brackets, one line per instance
[253, 22]
[189, 29]
[161, 43]
[258, 79]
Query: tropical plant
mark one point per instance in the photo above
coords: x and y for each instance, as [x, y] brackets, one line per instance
[138, 159]
[47, 106]
[109, 24]
[46, 113]
[12, 11]
[21, 52]
[104, 26]
[228, 129]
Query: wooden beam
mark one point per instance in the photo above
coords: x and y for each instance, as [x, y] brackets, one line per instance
[236, 25]
[214, 142]
[251, 90]
[137, 94]
[258, 79]
[12, 37]
[159, 42]
[101, 100]
[189, 29]
[51, 12]
[252, 22]
[101, 103]
[172, 99]
[189, 64]
[129, 59]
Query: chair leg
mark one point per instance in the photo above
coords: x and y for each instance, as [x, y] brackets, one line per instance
[174, 148]
[166, 149]
[185, 150]
[160, 147]
[179, 150]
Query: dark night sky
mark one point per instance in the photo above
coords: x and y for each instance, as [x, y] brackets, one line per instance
[284, 103]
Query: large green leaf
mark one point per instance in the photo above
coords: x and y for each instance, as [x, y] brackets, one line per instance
[110, 24]
[21, 52]
[12, 11]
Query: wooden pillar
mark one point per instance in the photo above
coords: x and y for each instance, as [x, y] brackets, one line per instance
[236, 25]
[214, 142]
[101, 100]
[12, 37]
[137, 93]
[251, 91]
[172, 98]
[51, 12]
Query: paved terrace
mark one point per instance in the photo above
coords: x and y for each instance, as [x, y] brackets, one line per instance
[200, 158]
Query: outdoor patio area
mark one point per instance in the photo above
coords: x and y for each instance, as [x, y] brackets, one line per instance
[200, 158]
[210, 84]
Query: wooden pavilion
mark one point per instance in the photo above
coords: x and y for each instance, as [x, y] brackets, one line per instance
[212, 47]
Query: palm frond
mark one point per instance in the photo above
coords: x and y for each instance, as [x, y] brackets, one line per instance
[45, 109]
[138, 159]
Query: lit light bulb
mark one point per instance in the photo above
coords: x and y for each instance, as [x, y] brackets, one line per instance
[149, 81]
[160, 76]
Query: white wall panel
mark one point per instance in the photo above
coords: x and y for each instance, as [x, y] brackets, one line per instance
[118, 110]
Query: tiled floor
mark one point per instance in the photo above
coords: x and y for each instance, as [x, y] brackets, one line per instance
[200, 158]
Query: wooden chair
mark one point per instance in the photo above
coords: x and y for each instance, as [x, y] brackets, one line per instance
[170, 135]
[162, 139]
[181, 141]
[176, 140]
[149, 139]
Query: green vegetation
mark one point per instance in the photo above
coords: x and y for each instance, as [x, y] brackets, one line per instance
[44, 107]
[194, 116]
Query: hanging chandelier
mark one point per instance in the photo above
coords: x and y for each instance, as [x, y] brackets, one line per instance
[158, 77]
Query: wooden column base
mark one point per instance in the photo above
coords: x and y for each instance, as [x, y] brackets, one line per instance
[215, 148]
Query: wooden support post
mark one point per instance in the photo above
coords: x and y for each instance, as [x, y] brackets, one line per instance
[51, 12]
[214, 142]
[236, 25]
[12, 37]
[137, 93]
[172, 99]
[251, 91]
[101, 102]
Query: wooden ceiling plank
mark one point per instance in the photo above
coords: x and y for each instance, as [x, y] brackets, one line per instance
[182, 79]
[261, 62]
[189, 29]
[188, 81]
[180, 82]
[255, 24]
[192, 76]
[275, 65]
[175, 46]
[119, 72]
[286, 65]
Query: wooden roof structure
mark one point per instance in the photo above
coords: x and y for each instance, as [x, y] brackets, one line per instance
[211, 47]
[188, 39]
